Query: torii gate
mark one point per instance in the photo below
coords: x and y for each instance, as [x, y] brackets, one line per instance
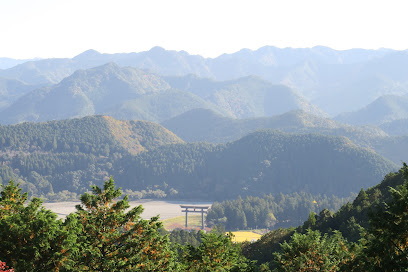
[195, 209]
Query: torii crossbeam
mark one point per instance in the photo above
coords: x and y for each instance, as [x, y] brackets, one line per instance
[195, 209]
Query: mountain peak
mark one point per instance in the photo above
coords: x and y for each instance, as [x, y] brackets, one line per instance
[87, 54]
[157, 49]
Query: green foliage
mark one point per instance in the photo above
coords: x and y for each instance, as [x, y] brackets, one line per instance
[313, 252]
[114, 239]
[32, 237]
[352, 218]
[255, 165]
[283, 210]
[69, 155]
[216, 252]
[262, 250]
[386, 245]
[184, 237]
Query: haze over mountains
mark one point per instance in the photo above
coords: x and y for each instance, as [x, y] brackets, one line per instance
[335, 81]
[220, 101]
[129, 93]
[384, 109]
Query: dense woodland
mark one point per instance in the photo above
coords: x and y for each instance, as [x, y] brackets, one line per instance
[59, 160]
[102, 236]
[270, 211]
[293, 141]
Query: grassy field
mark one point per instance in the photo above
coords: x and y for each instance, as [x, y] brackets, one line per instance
[242, 236]
[179, 222]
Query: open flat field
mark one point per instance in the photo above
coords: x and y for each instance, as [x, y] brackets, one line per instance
[242, 236]
[166, 209]
[179, 222]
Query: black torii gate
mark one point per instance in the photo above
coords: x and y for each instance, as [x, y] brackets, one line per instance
[195, 209]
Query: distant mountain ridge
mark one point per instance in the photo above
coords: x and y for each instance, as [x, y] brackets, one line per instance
[130, 93]
[397, 127]
[6, 63]
[205, 125]
[11, 90]
[386, 108]
[336, 81]
[245, 97]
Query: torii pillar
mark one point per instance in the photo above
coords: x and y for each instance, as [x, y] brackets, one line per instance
[195, 209]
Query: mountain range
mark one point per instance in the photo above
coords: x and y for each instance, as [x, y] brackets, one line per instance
[130, 93]
[335, 81]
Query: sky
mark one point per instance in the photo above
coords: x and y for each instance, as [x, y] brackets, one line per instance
[56, 28]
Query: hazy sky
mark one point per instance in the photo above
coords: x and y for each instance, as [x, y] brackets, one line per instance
[56, 28]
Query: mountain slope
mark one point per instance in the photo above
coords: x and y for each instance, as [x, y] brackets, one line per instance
[11, 90]
[129, 93]
[384, 109]
[262, 162]
[245, 97]
[108, 89]
[205, 125]
[47, 158]
[396, 127]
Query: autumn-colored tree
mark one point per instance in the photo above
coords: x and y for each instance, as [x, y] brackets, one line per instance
[5, 268]
[32, 239]
[114, 239]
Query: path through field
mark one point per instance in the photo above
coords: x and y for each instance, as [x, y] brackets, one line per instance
[166, 209]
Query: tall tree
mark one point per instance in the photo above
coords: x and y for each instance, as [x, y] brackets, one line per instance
[116, 240]
[216, 252]
[32, 239]
[313, 252]
[386, 248]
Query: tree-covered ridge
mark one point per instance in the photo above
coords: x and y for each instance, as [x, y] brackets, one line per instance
[397, 127]
[283, 210]
[368, 234]
[92, 134]
[245, 97]
[206, 125]
[69, 155]
[354, 215]
[386, 108]
[51, 157]
[262, 162]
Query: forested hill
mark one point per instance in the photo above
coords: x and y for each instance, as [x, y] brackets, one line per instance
[92, 134]
[378, 215]
[69, 154]
[262, 162]
[206, 125]
[352, 216]
[48, 158]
